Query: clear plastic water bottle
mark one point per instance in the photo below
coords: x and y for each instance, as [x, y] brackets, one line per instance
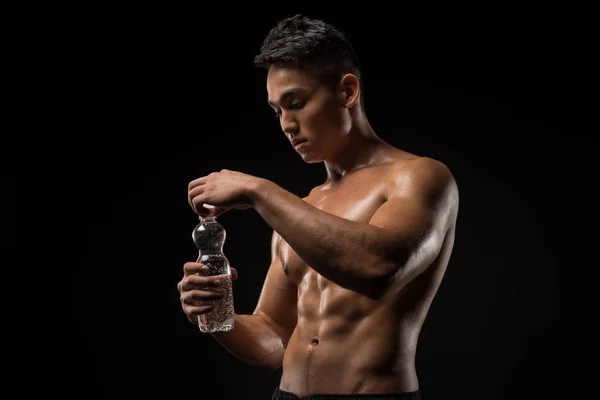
[209, 237]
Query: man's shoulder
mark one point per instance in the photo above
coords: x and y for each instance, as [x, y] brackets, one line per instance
[423, 172]
[422, 166]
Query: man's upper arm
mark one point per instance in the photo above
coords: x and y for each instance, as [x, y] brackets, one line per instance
[420, 208]
[277, 303]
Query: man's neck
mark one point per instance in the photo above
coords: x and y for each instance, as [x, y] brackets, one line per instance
[361, 148]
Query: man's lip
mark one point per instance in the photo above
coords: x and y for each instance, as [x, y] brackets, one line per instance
[300, 145]
[296, 142]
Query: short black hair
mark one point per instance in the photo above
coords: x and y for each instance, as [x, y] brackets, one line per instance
[310, 44]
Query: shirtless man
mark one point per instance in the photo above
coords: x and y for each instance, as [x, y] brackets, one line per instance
[355, 264]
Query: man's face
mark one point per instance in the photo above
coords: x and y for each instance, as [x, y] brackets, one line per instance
[308, 112]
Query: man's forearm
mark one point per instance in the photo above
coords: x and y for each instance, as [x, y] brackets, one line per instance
[253, 341]
[348, 253]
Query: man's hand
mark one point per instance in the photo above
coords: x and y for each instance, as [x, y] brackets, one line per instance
[199, 292]
[223, 190]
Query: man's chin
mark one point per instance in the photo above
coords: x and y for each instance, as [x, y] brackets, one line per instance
[307, 158]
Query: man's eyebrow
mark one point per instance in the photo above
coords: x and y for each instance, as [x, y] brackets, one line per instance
[285, 95]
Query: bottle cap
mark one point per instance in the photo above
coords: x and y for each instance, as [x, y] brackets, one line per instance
[208, 217]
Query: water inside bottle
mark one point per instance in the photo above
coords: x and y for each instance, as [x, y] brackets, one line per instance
[220, 318]
[209, 237]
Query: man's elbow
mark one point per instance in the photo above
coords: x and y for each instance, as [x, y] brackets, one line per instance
[407, 263]
[275, 366]
[384, 278]
[273, 361]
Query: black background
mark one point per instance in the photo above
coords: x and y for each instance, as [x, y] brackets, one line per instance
[163, 98]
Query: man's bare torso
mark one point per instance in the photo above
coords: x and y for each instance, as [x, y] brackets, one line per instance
[345, 342]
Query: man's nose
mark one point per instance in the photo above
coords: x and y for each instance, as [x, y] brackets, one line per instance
[289, 125]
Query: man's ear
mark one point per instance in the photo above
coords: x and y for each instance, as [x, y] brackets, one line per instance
[349, 90]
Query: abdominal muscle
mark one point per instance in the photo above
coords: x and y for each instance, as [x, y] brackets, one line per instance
[347, 343]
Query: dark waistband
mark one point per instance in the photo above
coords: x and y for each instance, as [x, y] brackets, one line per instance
[279, 394]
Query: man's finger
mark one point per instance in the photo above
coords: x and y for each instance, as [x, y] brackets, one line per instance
[193, 268]
[198, 205]
[196, 182]
[194, 193]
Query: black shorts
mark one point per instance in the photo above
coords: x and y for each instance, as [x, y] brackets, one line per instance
[279, 394]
